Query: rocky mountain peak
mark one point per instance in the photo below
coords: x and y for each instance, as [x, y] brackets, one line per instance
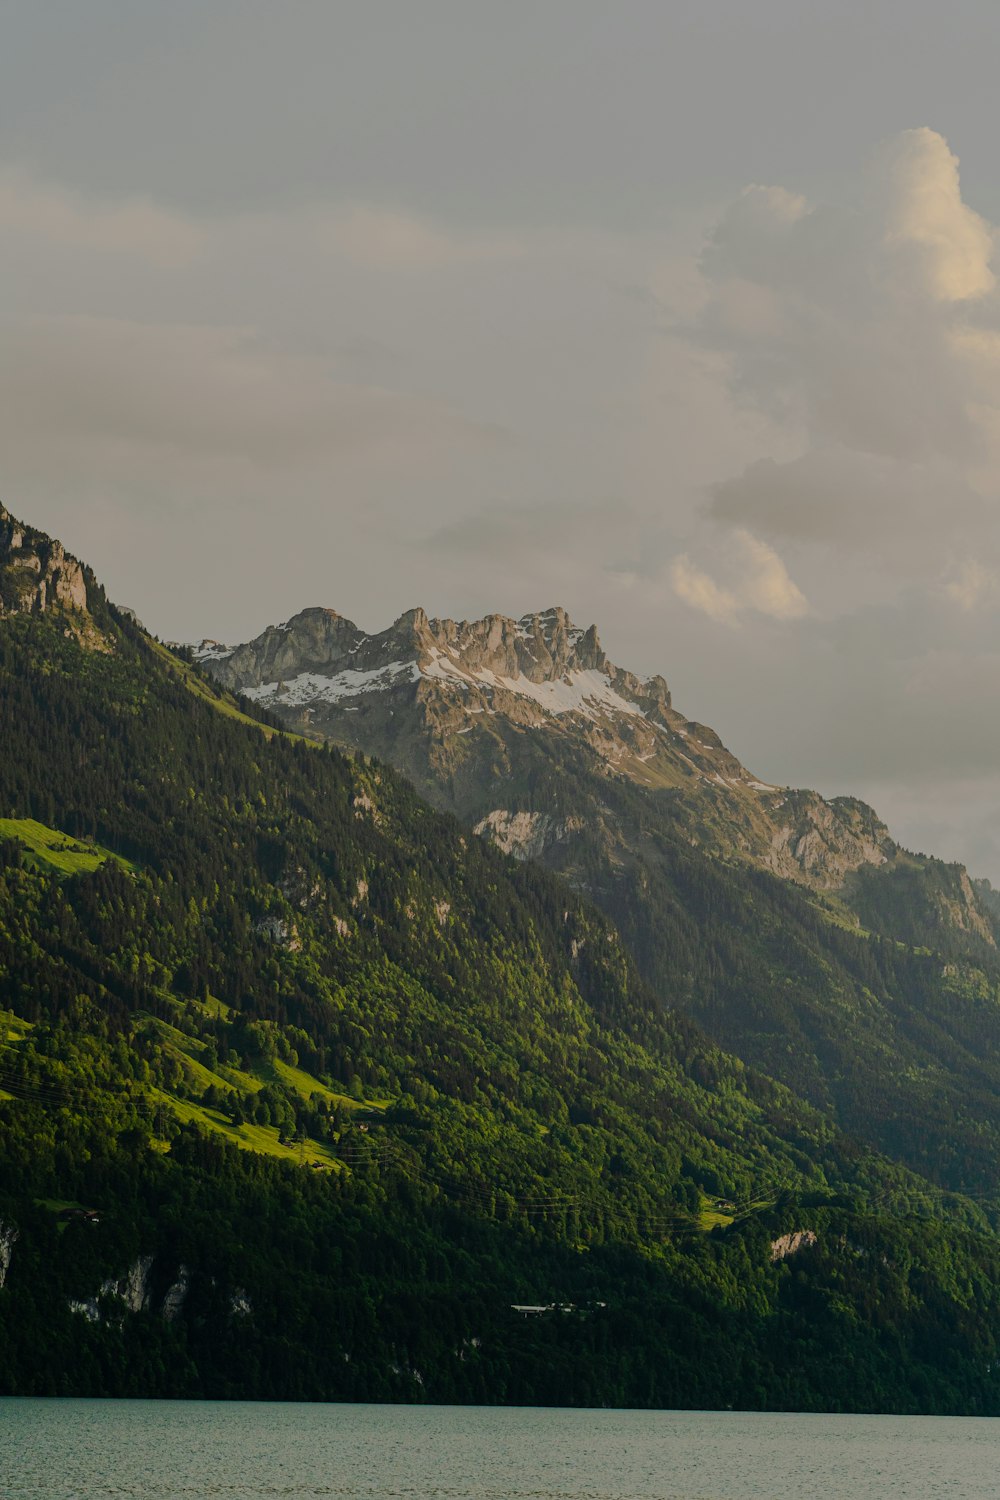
[526, 729]
[413, 619]
[465, 707]
[36, 572]
[318, 655]
[543, 647]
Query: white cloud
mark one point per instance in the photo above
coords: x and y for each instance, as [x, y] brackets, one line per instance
[767, 587]
[867, 333]
[938, 246]
[760, 582]
[697, 588]
[871, 331]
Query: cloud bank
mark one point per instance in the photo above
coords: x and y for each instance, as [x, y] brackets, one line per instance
[761, 448]
[870, 332]
[866, 332]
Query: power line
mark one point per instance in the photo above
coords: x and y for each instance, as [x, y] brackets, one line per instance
[355, 1149]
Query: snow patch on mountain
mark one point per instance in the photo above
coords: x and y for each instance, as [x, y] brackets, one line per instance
[314, 687]
[588, 693]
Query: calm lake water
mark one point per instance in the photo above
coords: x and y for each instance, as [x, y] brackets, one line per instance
[163, 1450]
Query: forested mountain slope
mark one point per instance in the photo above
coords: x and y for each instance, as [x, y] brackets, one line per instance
[792, 928]
[303, 1090]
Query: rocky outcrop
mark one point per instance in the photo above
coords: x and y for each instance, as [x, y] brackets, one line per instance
[964, 908]
[87, 1307]
[133, 1288]
[131, 1291]
[792, 1243]
[240, 1305]
[176, 1295]
[8, 1235]
[525, 835]
[823, 842]
[37, 573]
[281, 931]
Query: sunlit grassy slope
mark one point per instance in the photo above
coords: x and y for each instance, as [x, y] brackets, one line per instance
[48, 846]
[230, 1082]
[260, 1138]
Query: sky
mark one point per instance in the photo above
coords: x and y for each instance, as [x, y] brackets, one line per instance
[685, 317]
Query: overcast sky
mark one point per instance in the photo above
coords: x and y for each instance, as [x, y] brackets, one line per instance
[685, 317]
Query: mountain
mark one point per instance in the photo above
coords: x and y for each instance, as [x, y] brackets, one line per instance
[36, 573]
[306, 1093]
[755, 909]
[475, 712]
[530, 689]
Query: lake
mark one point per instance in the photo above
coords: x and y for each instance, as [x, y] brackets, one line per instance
[166, 1450]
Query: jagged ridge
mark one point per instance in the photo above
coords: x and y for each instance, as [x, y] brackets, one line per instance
[541, 673]
[36, 572]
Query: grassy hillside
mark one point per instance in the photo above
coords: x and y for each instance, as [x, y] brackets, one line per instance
[48, 847]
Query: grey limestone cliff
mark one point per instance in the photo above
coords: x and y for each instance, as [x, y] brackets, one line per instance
[37, 573]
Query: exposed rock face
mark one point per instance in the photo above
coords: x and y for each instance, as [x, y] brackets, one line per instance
[790, 1244]
[132, 1293]
[176, 1295]
[87, 1308]
[963, 909]
[525, 729]
[276, 930]
[826, 840]
[318, 658]
[36, 573]
[131, 1290]
[8, 1234]
[525, 835]
[453, 703]
[240, 1305]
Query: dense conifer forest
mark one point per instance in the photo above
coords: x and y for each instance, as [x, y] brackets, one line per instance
[305, 1092]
